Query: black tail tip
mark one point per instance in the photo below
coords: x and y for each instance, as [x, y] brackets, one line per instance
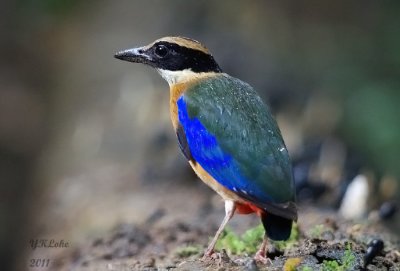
[276, 227]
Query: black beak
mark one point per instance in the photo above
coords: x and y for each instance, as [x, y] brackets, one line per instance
[137, 55]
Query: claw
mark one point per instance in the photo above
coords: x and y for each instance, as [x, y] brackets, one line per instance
[259, 257]
[209, 254]
[220, 257]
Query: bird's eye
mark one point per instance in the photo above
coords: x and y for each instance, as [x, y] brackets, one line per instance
[161, 51]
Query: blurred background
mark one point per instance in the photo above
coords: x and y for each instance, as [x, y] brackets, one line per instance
[86, 140]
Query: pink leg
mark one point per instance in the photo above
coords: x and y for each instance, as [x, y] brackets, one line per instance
[261, 255]
[229, 211]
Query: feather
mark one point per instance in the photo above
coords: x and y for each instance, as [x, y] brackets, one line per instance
[232, 135]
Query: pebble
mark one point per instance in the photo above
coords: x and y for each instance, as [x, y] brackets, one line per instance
[251, 266]
[354, 203]
[374, 248]
[328, 236]
[387, 210]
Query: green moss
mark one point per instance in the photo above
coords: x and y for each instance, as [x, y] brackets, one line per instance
[347, 262]
[331, 266]
[250, 241]
[186, 251]
[247, 243]
[348, 259]
[306, 268]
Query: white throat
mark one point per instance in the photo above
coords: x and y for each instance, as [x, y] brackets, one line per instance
[176, 77]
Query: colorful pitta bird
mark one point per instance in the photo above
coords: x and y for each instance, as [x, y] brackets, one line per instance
[227, 134]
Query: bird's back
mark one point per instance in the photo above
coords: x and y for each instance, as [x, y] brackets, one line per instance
[232, 134]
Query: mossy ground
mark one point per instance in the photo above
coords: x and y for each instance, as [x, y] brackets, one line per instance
[325, 245]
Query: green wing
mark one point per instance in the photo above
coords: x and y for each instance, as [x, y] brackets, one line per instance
[259, 167]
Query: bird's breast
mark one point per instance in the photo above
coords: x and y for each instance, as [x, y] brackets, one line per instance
[176, 91]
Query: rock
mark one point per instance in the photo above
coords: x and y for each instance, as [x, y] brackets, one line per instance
[354, 203]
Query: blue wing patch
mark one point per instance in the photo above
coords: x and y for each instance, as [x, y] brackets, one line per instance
[221, 166]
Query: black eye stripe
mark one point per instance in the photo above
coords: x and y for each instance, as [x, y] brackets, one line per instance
[181, 58]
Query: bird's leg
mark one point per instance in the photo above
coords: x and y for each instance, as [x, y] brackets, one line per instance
[229, 211]
[261, 255]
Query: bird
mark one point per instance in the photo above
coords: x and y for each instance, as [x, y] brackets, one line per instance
[227, 134]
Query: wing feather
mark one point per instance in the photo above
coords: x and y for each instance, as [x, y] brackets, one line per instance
[231, 133]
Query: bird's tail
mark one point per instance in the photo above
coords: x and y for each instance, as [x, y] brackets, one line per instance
[276, 227]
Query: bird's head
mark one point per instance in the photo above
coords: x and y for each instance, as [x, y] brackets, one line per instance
[177, 59]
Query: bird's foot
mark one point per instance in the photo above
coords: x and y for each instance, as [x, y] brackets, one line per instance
[260, 257]
[221, 257]
[209, 254]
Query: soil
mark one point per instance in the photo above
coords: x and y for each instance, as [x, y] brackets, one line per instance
[153, 245]
[167, 224]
